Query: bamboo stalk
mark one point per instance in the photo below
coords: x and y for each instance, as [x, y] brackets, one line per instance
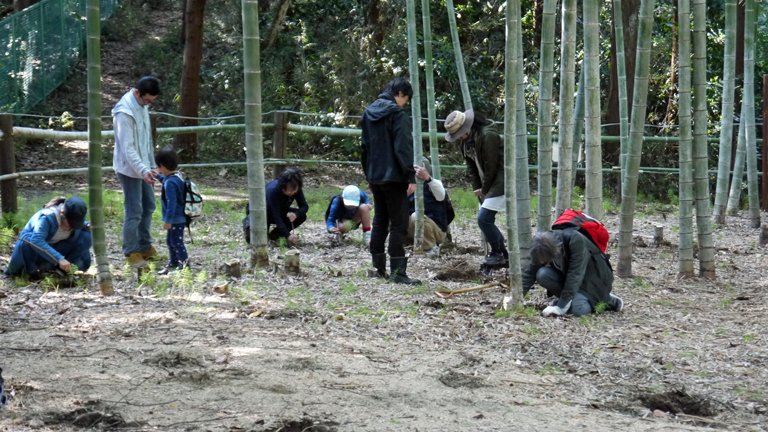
[430, 76]
[523, 184]
[413, 65]
[749, 105]
[621, 71]
[457, 54]
[700, 155]
[546, 74]
[685, 247]
[253, 133]
[567, 86]
[734, 198]
[95, 188]
[593, 195]
[726, 123]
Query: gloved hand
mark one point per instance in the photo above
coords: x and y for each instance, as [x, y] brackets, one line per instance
[556, 310]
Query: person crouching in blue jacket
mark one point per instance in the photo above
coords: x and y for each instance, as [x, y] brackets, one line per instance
[59, 237]
[347, 211]
[172, 196]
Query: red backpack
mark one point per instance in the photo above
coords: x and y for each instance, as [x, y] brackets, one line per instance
[592, 228]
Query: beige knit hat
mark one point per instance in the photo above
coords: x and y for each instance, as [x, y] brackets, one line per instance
[458, 123]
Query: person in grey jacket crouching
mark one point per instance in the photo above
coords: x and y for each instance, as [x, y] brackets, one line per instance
[572, 268]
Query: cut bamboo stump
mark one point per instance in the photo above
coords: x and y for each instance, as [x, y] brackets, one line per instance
[292, 262]
[764, 235]
[658, 235]
[221, 287]
[232, 268]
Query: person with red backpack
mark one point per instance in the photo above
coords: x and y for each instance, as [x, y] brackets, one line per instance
[570, 263]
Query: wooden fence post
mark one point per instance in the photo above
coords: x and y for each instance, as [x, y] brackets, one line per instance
[8, 190]
[279, 141]
[764, 194]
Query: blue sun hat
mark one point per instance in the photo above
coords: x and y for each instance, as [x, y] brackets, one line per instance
[351, 196]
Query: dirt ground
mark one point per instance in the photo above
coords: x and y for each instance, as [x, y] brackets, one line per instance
[331, 350]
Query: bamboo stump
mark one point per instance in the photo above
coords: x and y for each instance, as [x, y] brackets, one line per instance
[658, 235]
[232, 268]
[292, 262]
[764, 235]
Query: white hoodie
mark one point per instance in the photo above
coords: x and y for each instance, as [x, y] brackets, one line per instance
[134, 155]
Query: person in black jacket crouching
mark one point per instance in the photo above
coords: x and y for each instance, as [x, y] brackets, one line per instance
[280, 195]
[438, 212]
[571, 267]
[387, 159]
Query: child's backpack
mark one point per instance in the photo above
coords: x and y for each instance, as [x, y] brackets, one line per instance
[193, 203]
[592, 228]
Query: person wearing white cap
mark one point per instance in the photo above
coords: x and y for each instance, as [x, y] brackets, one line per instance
[483, 151]
[347, 211]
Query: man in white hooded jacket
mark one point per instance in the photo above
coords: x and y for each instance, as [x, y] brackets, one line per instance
[134, 164]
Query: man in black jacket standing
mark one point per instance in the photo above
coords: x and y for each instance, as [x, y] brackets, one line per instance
[387, 159]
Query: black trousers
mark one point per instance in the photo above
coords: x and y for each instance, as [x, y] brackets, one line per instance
[274, 234]
[390, 218]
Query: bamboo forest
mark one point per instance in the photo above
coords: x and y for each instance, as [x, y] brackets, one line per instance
[383, 215]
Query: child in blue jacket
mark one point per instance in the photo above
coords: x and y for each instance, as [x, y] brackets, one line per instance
[173, 196]
[56, 236]
[347, 211]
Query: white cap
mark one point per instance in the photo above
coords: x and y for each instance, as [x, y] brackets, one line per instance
[351, 196]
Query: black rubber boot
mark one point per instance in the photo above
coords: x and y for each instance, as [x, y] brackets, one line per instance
[380, 264]
[399, 266]
[499, 256]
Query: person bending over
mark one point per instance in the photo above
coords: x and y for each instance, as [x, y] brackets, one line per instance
[281, 193]
[347, 211]
[59, 237]
[572, 268]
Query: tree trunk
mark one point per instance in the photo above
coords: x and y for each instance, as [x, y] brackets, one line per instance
[459, 58]
[254, 147]
[20, 5]
[413, 66]
[183, 33]
[95, 188]
[750, 130]
[189, 95]
[685, 247]
[594, 186]
[523, 183]
[639, 101]
[546, 74]
[515, 290]
[373, 20]
[630, 11]
[700, 156]
[726, 124]
[277, 22]
[567, 85]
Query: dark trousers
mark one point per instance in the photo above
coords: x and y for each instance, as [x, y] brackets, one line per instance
[275, 234]
[486, 220]
[390, 218]
[553, 280]
[176, 248]
[29, 259]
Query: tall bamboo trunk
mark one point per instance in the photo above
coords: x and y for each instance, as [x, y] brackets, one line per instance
[734, 198]
[430, 76]
[621, 71]
[726, 123]
[254, 147]
[546, 74]
[457, 53]
[523, 184]
[639, 101]
[749, 105]
[564, 195]
[594, 154]
[95, 200]
[700, 157]
[515, 291]
[578, 126]
[685, 247]
[413, 65]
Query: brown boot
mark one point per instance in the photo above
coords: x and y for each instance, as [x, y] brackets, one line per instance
[150, 254]
[135, 260]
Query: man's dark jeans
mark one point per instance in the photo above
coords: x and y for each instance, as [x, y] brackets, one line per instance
[391, 217]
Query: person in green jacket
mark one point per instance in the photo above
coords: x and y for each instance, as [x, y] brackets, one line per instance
[573, 268]
[483, 151]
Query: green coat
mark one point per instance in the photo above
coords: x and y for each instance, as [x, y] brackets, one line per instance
[489, 151]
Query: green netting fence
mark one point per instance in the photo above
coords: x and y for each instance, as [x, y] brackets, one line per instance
[39, 45]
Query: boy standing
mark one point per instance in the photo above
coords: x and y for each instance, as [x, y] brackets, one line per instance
[173, 196]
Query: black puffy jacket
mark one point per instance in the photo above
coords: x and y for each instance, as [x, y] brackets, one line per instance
[387, 151]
